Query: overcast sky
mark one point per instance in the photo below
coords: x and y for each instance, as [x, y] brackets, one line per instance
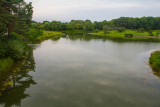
[95, 10]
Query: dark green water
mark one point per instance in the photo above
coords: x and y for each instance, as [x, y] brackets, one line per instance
[86, 71]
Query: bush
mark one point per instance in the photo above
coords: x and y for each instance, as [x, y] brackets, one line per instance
[129, 35]
[12, 47]
[141, 30]
[15, 36]
[105, 29]
[96, 30]
[155, 61]
[150, 33]
[121, 29]
[3, 29]
[16, 49]
[157, 33]
[5, 63]
[34, 33]
[3, 49]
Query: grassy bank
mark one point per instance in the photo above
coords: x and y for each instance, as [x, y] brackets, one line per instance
[9, 69]
[136, 36]
[154, 61]
[5, 64]
[36, 35]
[14, 48]
[50, 34]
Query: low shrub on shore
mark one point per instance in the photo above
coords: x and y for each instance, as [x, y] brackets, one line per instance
[12, 47]
[5, 63]
[154, 60]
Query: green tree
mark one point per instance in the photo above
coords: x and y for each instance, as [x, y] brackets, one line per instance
[55, 26]
[46, 25]
[89, 25]
[14, 13]
[105, 29]
[121, 29]
[25, 12]
[157, 33]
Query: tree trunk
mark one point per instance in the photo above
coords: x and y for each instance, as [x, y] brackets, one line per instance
[9, 30]
[8, 33]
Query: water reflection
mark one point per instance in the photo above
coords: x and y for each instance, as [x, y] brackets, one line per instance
[85, 37]
[84, 71]
[156, 74]
[20, 80]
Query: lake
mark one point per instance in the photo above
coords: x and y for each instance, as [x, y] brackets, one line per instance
[86, 71]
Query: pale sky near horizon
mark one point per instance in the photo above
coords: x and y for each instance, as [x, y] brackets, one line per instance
[95, 10]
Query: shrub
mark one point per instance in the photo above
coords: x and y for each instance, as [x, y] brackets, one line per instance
[12, 47]
[150, 33]
[16, 49]
[3, 49]
[157, 33]
[155, 61]
[121, 29]
[96, 30]
[15, 36]
[34, 33]
[129, 35]
[5, 63]
[3, 29]
[141, 30]
[105, 29]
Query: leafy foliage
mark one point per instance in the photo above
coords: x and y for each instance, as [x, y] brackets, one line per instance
[12, 47]
[157, 33]
[15, 16]
[105, 29]
[5, 63]
[16, 49]
[137, 23]
[141, 30]
[34, 33]
[154, 60]
[129, 35]
[141, 24]
[49, 34]
[121, 29]
[150, 33]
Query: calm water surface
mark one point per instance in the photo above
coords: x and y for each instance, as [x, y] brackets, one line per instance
[87, 71]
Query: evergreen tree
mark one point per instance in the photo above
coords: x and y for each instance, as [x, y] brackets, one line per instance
[13, 15]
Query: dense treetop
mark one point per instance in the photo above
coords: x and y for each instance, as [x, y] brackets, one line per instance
[151, 23]
[15, 16]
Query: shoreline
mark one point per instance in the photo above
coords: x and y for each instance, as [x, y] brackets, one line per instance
[154, 61]
[136, 36]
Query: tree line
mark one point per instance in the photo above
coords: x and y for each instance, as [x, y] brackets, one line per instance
[146, 23]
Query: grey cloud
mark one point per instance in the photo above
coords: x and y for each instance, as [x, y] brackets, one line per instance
[66, 10]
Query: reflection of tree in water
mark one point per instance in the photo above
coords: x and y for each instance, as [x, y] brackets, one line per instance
[88, 37]
[156, 73]
[85, 37]
[16, 92]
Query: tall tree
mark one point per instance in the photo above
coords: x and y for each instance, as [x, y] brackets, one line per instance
[12, 12]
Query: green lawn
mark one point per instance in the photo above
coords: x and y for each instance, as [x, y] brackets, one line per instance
[154, 60]
[137, 36]
[50, 34]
